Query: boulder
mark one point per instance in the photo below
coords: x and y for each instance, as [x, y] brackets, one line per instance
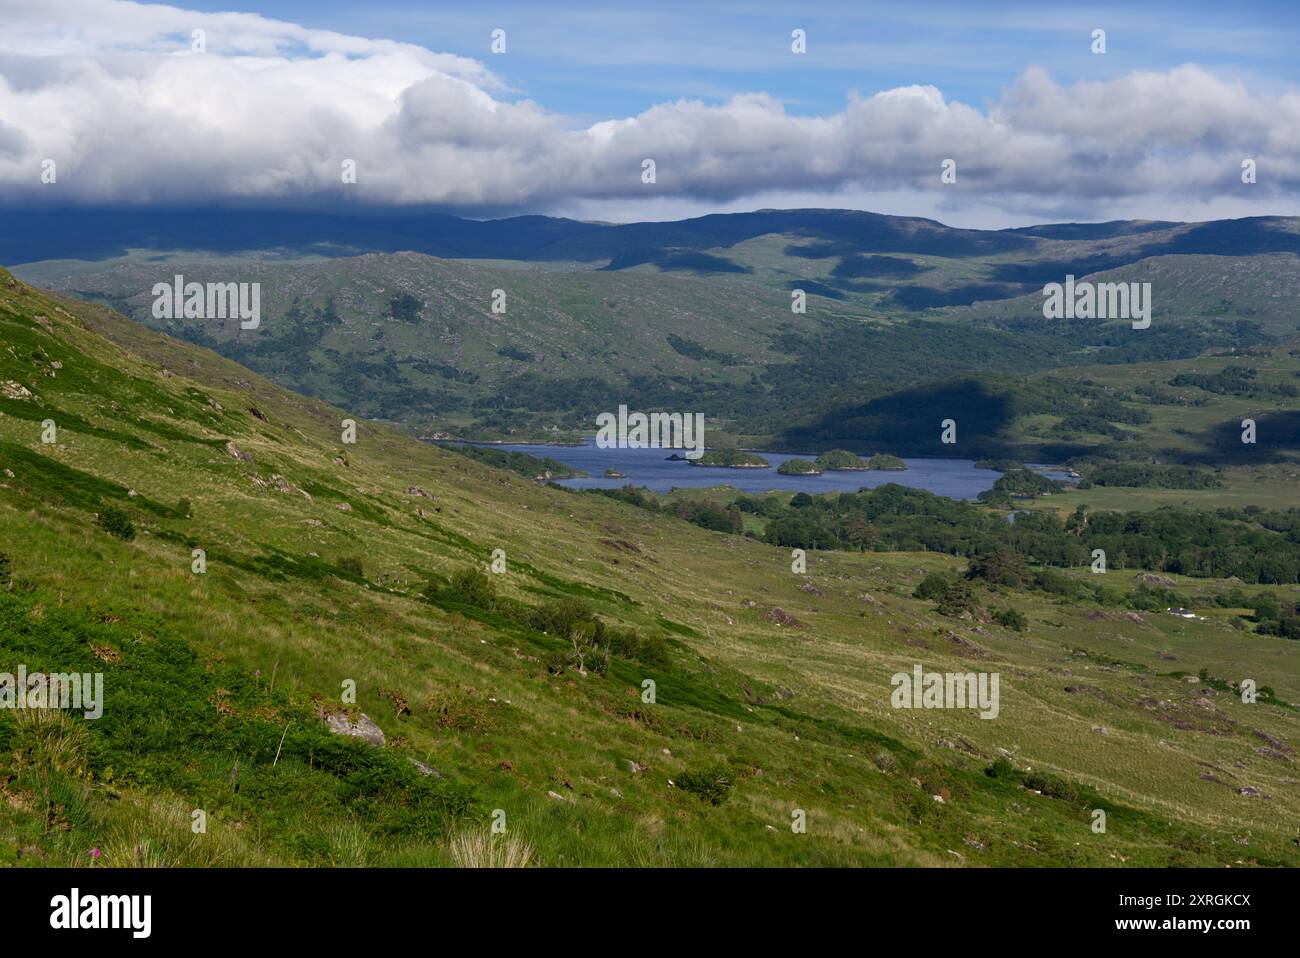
[363, 728]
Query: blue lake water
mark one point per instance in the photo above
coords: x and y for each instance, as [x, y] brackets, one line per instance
[955, 478]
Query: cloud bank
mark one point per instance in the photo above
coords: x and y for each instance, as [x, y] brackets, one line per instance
[115, 95]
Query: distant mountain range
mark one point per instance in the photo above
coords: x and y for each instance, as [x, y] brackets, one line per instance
[37, 234]
[392, 317]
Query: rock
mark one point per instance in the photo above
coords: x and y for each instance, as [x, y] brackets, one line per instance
[236, 453]
[314, 522]
[15, 390]
[346, 507]
[340, 461]
[781, 617]
[257, 414]
[635, 767]
[417, 491]
[1272, 753]
[554, 795]
[1250, 791]
[1276, 743]
[363, 728]
[1150, 578]
[425, 769]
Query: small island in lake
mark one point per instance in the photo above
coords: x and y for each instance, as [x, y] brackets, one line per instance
[798, 467]
[883, 460]
[731, 459]
[841, 460]
[614, 474]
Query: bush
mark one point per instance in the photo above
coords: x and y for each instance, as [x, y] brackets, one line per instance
[933, 586]
[183, 508]
[471, 586]
[711, 784]
[885, 761]
[117, 523]
[1001, 768]
[1051, 786]
[6, 572]
[958, 598]
[1011, 618]
[351, 566]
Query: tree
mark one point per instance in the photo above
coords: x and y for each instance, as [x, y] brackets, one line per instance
[1078, 522]
[1000, 566]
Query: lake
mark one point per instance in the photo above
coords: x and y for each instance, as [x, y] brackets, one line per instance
[954, 478]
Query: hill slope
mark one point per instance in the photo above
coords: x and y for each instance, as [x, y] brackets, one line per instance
[772, 689]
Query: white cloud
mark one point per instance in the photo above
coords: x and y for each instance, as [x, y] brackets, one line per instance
[112, 93]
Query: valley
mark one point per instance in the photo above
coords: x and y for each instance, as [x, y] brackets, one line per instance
[373, 564]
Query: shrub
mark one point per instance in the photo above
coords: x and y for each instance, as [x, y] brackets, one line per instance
[351, 566]
[117, 523]
[471, 586]
[183, 508]
[712, 784]
[6, 573]
[557, 662]
[1011, 618]
[1051, 786]
[885, 761]
[958, 598]
[1001, 768]
[933, 586]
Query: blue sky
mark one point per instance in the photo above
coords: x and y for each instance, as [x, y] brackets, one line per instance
[286, 93]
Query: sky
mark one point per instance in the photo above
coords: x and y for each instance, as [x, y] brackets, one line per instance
[110, 103]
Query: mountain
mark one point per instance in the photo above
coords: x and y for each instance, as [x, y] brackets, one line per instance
[332, 565]
[571, 319]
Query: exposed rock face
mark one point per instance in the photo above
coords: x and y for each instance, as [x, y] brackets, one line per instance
[15, 390]
[363, 728]
[1150, 578]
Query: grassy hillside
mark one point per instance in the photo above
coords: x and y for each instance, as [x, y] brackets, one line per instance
[694, 314]
[772, 689]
